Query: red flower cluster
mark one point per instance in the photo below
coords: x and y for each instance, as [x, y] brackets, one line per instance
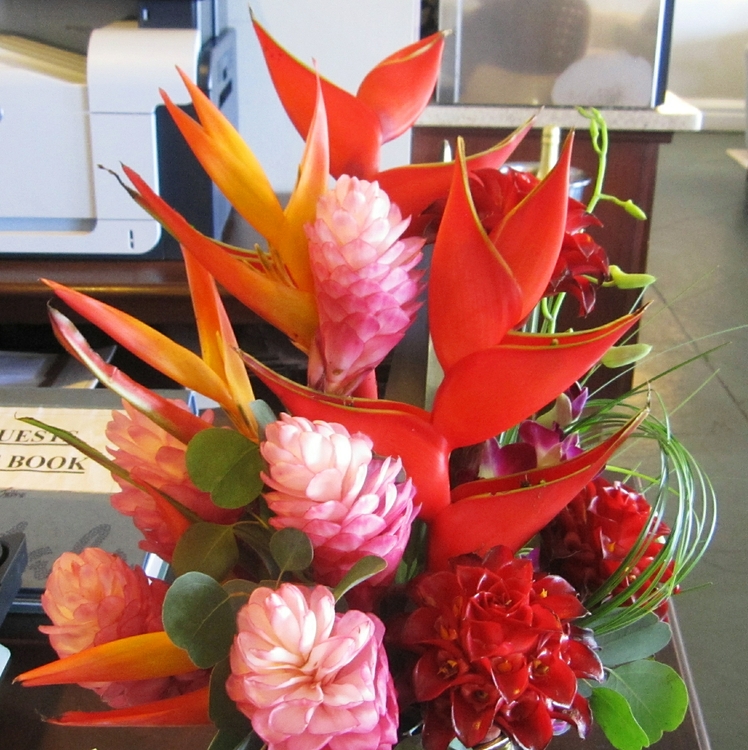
[498, 653]
[587, 542]
[582, 264]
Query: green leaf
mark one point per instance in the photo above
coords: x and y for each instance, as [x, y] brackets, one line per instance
[226, 464]
[364, 568]
[257, 538]
[656, 693]
[639, 640]
[263, 414]
[613, 714]
[413, 557]
[208, 548]
[199, 618]
[221, 709]
[291, 549]
[238, 590]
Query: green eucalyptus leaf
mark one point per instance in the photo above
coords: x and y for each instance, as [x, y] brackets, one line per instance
[257, 538]
[238, 590]
[584, 687]
[208, 548]
[613, 714]
[364, 568]
[641, 639]
[291, 549]
[198, 618]
[221, 709]
[263, 414]
[656, 693]
[226, 464]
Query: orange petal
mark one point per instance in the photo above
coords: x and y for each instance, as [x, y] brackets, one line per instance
[189, 709]
[399, 88]
[529, 238]
[293, 247]
[229, 162]
[176, 421]
[415, 187]
[206, 303]
[473, 296]
[355, 134]
[140, 657]
[491, 390]
[510, 510]
[157, 350]
[290, 310]
[218, 343]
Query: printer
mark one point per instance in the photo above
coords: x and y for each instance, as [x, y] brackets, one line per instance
[66, 111]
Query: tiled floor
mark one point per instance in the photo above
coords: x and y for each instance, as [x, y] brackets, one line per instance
[699, 252]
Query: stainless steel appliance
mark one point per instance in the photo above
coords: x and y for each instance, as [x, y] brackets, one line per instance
[611, 53]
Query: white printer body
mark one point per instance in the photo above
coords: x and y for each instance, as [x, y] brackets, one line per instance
[62, 114]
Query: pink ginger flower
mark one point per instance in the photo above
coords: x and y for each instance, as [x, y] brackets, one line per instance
[96, 597]
[311, 679]
[154, 456]
[365, 283]
[329, 485]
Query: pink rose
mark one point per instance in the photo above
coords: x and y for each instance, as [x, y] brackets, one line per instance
[309, 678]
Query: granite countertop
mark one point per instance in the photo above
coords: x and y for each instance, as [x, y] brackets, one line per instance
[674, 114]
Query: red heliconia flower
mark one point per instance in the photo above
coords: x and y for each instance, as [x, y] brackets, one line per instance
[498, 653]
[587, 542]
[582, 264]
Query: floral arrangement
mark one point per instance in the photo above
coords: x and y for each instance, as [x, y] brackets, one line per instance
[355, 572]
